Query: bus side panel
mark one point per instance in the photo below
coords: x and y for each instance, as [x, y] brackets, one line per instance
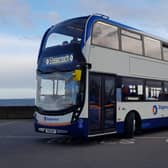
[155, 123]
[150, 117]
[106, 60]
[84, 112]
[120, 127]
[85, 51]
[157, 68]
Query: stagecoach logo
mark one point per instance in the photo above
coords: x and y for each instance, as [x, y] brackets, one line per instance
[50, 119]
[59, 60]
[155, 109]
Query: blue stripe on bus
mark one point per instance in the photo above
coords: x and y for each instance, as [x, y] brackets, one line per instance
[120, 127]
[146, 124]
[154, 123]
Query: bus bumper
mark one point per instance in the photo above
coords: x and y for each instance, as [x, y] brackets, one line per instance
[78, 128]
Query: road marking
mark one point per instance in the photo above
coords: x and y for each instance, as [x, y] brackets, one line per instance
[117, 141]
[51, 141]
[166, 141]
[127, 141]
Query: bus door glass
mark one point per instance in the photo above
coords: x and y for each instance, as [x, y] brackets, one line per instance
[109, 102]
[102, 102]
[95, 102]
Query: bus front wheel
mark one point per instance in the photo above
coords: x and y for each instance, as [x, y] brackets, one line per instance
[130, 125]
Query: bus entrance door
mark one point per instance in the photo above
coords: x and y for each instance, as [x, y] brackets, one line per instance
[102, 103]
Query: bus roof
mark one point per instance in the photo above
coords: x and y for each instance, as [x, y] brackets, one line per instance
[73, 27]
[76, 26]
[106, 19]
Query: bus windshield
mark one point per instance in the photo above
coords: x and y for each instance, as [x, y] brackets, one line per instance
[57, 91]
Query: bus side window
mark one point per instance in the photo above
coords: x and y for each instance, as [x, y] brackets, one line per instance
[132, 89]
[163, 96]
[153, 90]
[105, 35]
[125, 92]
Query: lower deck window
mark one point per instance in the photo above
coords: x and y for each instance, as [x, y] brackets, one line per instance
[164, 94]
[132, 89]
[153, 90]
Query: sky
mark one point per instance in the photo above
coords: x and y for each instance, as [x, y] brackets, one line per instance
[23, 23]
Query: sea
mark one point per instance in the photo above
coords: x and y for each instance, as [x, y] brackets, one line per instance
[17, 102]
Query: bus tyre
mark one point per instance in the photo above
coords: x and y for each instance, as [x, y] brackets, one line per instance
[130, 123]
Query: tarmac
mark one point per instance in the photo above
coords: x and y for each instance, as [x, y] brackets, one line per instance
[21, 146]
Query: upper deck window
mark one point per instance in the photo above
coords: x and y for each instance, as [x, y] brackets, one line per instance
[131, 42]
[152, 48]
[105, 35]
[130, 34]
[165, 52]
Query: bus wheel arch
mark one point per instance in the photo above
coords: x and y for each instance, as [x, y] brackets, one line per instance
[132, 123]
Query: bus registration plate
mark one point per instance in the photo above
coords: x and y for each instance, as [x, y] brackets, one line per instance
[50, 131]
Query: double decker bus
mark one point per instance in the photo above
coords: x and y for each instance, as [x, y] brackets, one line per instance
[96, 76]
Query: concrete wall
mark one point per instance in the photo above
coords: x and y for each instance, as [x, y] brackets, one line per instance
[17, 112]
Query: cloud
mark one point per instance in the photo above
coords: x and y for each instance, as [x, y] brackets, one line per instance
[15, 12]
[19, 13]
[18, 61]
[50, 17]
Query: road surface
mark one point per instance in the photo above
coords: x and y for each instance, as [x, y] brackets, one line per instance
[21, 147]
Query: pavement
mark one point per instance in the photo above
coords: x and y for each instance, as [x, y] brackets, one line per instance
[21, 147]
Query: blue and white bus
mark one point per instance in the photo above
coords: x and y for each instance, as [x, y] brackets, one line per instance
[96, 76]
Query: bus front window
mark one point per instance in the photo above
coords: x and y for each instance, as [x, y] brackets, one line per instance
[55, 39]
[57, 91]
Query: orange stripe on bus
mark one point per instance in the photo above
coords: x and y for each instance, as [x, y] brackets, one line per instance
[99, 107]
[95, 106]
[109, 105]
[54, 124]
